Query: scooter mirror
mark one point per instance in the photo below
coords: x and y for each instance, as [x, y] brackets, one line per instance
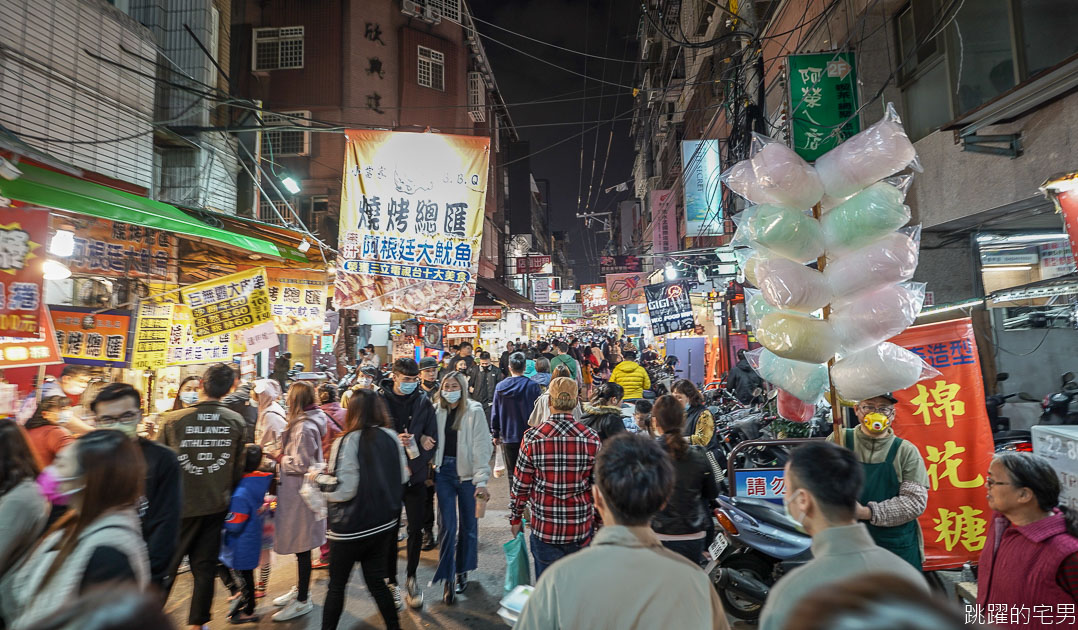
[1002, 376]
[1027, 397]
[1068, 377]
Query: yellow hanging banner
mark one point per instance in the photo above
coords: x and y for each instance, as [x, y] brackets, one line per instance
[151, 336]
[227, 304]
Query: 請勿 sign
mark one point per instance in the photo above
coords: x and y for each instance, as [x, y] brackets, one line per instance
[625, 288]
[22, 253]
[700, 167]
[411, 222]
[669, 307]
[823, 94]
[151, 336]
[89, 337]
[945, 418]
[234, 302]
[760, 483]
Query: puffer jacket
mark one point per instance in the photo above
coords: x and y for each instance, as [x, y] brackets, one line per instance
[685, 511]
[604, 420]
[474, 446]
[633, 378]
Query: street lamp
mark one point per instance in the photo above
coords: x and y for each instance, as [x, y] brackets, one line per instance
[670, 271]
[290, 184]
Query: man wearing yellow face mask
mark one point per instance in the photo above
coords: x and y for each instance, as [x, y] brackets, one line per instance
[896, 481]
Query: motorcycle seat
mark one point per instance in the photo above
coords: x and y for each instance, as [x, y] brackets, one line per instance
[763, 510]
[1006, 435]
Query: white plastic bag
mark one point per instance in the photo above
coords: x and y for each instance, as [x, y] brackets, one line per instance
[789, 285]
[877, 152]
[806, 381]
[775, 174]
[797, 337]
[867, 319]
[867, 216]
[756, 306]
[888, 260]
[877, 370]
[312, 493]
[784, 231]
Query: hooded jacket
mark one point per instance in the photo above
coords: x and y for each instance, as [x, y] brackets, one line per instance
[542, 378]
[604, 420]
[514, 399]
[271, 416]
[484, 386]
[633, 378]
[335, 414]
[241, 541]
[742, 381]
[413, 414]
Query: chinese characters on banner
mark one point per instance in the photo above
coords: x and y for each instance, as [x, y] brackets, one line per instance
[669, 307]
[619, 264]
[183, 349]
[664, 229]
[823, 94]
[533, 264]
[297, 301]
[461, 331]
[22, 252]
[593, 297]
[222, 305]
[107, 248]
[701, 165]
[625, 288]
[151, 336]
[487, 312]
[411, 222]
[24, 352]
[761, 483]
[1056, 259]
[87, 337]
[946, 418]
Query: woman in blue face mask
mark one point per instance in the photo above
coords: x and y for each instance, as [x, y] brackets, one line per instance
[699, 423]
[462, 465]
[188, 393]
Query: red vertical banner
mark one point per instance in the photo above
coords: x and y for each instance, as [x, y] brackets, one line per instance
[23, 233]
[946, 418]
[1067, 201]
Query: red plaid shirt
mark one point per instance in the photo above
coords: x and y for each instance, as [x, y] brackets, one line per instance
[554, 474]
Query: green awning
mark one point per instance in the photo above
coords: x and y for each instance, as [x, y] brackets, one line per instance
[41, 187]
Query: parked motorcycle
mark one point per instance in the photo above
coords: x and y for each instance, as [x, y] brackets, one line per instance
[1062, 406]
[348, 379]
[755, 544]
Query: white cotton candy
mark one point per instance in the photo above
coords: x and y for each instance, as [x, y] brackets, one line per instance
[877, 370]
[775, 174]
[797, 337]
[889, 260]
[789, 285]
[877, 152]
[869, 318]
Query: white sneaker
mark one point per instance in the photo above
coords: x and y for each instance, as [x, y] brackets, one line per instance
[294, 609]
[395, 591]
[415, 595]
[287, 598]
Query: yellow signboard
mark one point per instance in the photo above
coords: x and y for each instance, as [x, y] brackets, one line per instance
[411, 224]
[297, 301]
[183, 349]
[227, 304]
[151, 336]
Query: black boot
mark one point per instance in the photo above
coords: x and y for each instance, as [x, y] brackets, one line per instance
[429, 541]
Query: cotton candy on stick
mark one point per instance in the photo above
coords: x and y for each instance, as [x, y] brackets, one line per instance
[784, 231]
[867, 319]
[776, 174]
[806, 381]
[869, 215]
[877, 370]
[797, 337]
[794, 409]
[790, 285]
[877, 152]
[888, 260]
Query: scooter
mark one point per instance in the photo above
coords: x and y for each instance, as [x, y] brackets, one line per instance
[1062, 406]
[755, 544]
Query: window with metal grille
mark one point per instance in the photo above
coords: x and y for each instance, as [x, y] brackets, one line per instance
[286, 141]
[278, 48]
[448, 9]
[431, 68]
[267, 213]
[477, 97]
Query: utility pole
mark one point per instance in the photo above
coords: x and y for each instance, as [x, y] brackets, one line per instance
[255, 210]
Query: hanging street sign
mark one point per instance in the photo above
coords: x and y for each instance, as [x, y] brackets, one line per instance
[823, 94]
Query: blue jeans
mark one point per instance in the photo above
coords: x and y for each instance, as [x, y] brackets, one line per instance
[458, 550]
[545, 554]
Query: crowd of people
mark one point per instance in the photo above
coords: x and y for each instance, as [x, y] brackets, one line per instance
[615, 491]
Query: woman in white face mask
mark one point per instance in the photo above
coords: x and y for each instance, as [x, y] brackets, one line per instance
[462, 468]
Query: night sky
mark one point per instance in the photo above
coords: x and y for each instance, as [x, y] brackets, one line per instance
[599, 27]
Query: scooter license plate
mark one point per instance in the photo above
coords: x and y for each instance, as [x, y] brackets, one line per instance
[718, 545]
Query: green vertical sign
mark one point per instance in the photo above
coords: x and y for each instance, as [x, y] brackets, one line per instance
[823, 94]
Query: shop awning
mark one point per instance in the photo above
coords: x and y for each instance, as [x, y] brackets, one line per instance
[503, 295]
[41, 187]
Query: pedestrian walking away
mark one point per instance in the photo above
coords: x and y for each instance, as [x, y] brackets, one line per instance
[514, 399]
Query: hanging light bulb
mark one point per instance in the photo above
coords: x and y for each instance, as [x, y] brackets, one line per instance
[62, 243]
[670, 271]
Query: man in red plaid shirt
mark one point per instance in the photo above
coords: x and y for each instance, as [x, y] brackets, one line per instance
[554, 476]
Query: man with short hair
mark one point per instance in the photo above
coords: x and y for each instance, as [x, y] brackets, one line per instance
[544, 350]
[626, 578]
[895, 491]
[119, 406]
[281, 365]
[742, 380]
[553, 476]
[823, 483]
[641, 417]
[562, 357]
[503, 362]
[487, 382]
[208, 438]
[415, 423]
[514, 399]
[428, 372]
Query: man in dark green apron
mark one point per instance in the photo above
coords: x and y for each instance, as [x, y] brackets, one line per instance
[896, 481]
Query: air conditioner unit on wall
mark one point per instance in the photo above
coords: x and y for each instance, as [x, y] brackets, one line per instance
[421, 10]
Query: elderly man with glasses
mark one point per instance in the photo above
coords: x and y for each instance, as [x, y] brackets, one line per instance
[896, 480]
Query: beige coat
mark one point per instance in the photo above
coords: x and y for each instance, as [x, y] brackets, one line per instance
[655, 588]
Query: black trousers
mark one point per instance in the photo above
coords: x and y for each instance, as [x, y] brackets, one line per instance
[415, 502]
[370, 554]
[511, 452]
[240, 581]
[428, 523]
[200, 541]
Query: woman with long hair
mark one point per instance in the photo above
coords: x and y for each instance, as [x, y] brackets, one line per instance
[682, 523]
[699, 423]
[364, 487]
[187, 393]
[462, 468]
[298, 528]
[98, 540]
[23, 508]
[603, 414]
[47, 436]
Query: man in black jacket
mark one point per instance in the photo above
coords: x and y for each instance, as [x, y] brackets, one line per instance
[118, 407]
[414, 421]
[503, 362]
[743, 380]
[209, 441]
[486, 380]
